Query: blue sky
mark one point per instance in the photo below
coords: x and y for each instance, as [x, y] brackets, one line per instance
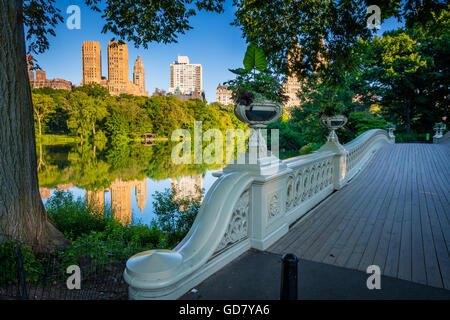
[212, 42]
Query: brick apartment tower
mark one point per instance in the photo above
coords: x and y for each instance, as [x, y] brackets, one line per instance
[139, 74]
[118, 76]
[92, 62]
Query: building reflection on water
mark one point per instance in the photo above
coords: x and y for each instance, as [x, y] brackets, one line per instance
[121, 195]
[121, 198]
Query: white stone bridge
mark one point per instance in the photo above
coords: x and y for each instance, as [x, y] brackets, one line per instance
[369, 202]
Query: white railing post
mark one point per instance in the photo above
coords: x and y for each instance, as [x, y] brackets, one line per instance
[266, 223]
[339, 161]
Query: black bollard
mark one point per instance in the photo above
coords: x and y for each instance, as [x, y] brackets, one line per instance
[289, 269]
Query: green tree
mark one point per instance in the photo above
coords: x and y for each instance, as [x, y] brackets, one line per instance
[326, 31]
[393, 62]
[93, 90]
[43, 106]
[22, 214]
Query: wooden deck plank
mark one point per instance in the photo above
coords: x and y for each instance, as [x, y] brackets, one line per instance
[345, 210]
[322, 249]
[382, 249]
[404, 263]
[377, 195]
[392, 248]
[438, 230]
[418, 270]
[431, 262]
[395, 214]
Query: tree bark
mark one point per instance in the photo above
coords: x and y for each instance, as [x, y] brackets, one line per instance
[408, 120]
[22, 213]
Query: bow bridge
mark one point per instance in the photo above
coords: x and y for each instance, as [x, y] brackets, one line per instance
[368, 202]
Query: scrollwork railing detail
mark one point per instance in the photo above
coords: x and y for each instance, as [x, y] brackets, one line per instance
[238, 227]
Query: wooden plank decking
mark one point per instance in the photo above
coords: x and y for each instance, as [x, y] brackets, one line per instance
[394, 214]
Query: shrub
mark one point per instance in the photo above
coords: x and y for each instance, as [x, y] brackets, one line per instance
[309, 148]
[8, 263]
[72, 217]
[175, 215]
[403, 137]
[306, 149]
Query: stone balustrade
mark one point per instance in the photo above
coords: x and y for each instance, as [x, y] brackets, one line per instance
[440, 137]
[243, 210]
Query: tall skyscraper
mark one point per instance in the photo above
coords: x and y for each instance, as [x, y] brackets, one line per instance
[118, 72]
[185, 77]
[118, 76]
[139, 74]
[91, 57]
[292, 85]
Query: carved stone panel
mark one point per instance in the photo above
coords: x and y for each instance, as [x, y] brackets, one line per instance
[274, 205]
[238, 227]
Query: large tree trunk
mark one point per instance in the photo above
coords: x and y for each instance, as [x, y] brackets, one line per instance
[408, 120]
[22, 214]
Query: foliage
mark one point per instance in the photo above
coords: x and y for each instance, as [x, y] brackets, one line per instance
[72, 217]
[307, 149]
[174, 214]
[250, 85]
[290, 137]
[43, 106]
[326, 31]
[404, 137]
[360, 122]
[93, 115]
[9, 266]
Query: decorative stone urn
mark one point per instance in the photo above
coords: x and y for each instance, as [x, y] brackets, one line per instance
[438, 129]
[340, 159]
[391, 128]
[259, 114]
[333, 123]
[257, 159]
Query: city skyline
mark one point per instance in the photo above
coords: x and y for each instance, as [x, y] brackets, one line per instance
[118, 81]
[212, 42]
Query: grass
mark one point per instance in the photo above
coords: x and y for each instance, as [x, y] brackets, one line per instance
[55, 139]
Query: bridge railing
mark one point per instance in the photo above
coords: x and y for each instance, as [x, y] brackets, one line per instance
[442, 138]
[244, 210]
[362, 148]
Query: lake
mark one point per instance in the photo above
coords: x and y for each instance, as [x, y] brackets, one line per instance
[123, 177]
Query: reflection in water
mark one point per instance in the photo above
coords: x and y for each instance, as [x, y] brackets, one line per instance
[120, 198]
[45, 193]
[187, 187]
[108, 179]
[96, 200]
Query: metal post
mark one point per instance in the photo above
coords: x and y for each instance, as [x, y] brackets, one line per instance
[289, 269]
[21, 273]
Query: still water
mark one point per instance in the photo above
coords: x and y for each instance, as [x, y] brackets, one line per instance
[123, 178]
